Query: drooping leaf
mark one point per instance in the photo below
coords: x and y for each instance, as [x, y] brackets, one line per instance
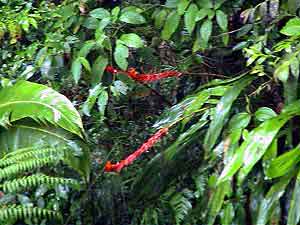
[206, 30]
[92, 98]
[132, 18]
[292, 27]
[268, 204]
[100, 13]
[98, 69]
[190, 17]
[283, 164]
[132, 40]
[171, 25]
[160, 19]
[264, 113]
[222, 20]
[294, 210]
[222, 111]
[181, 6]
[25, 134]
[121, 54]
[36, 101]
[76, 70]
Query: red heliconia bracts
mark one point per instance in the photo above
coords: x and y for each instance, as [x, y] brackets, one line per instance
[109, 167]
[144, 78]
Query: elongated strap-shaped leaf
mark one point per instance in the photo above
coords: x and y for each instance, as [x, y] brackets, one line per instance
[222, 111]
[188, 106]
[283, 164]
[216, 202]
[268, 205]
[255, 146]
[294, 211]
[26, 99]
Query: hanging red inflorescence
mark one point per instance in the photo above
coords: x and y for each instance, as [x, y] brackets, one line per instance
[144, 78]
[117, 167]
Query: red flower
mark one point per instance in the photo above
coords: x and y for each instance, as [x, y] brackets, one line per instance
[145, 78]
[109, 167]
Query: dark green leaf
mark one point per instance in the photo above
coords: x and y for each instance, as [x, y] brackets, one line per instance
[190, 18]
[99, 13]
[132, 18]
[132, 40]
[171, 25]
[222, 20]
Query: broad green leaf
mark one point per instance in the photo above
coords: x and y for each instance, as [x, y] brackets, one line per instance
[222, 20]
[85, 63]
[216, 202]
[132, 18]
[132, 9]
[264, 113]
[25, 134]
[102, 102]
[87, 47]
[239, 121]
[121, 54]
[202, 13]
[99, 13]
[282, 72]
[171, 25]
[115, 13]
[283, 164]
[98, 69]
[132, 40]
[76, 69]
[253, 148]
[91, 23]
[294, 65]
[222, 111]
[218, 3]
[227, 214]
[172, 3]
[206, 30]
[182, 5]
[268, 204]
[294, 210]
[205, 3]
[190, 17]
[92, 98]
[160, 18]
[40, 103]
[292, 27]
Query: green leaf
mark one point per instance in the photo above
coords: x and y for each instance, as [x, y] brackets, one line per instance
[202, 13]
[294, 210]
[76, 70]
[283, 164]
[293, 6]
[216, 202]
[190, 17]
[99, 13]
[222, 111]
[205, 4]
[294, 64]
[85, 63]
[102, 102]
[264, 113]
[160, 18]
[132, 40]
[132, 18]
[253, 148]
[222, 20]
[268, 204]
[98, 69]
[239, 121]
[292, 27]
[115, 13]
[282, 72]
[206, 30]
[181, 6]
[92, 98]
[171, 25]
[121, 54]
[40, 103]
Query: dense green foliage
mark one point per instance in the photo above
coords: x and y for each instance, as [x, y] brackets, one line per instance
[232, 152]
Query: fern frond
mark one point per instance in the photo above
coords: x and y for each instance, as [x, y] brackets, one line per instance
[35, 180]
[181, 205]
[28, 165]
[24, 212]
[21, 155]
